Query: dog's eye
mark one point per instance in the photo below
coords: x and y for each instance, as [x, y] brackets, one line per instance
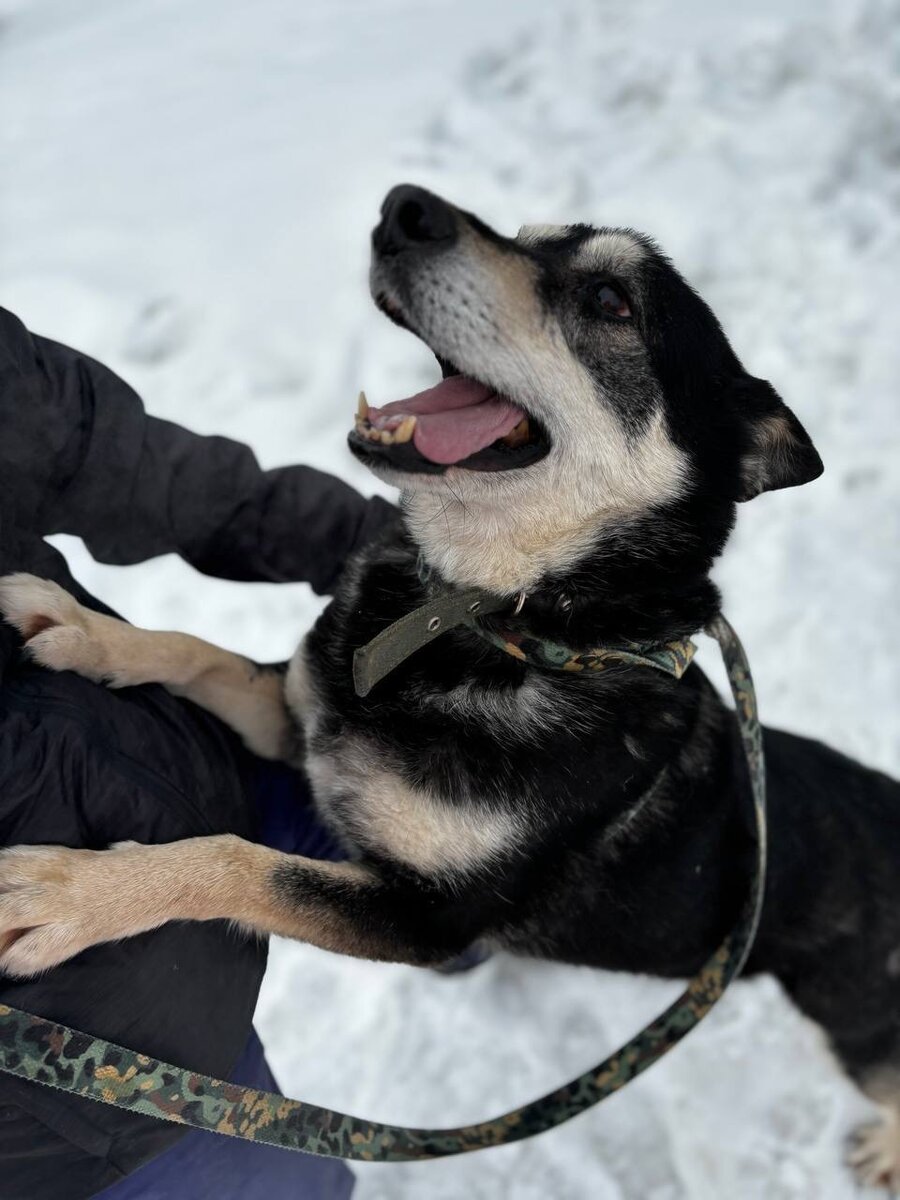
[610, 302]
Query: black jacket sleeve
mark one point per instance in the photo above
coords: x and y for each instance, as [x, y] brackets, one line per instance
[79, 455]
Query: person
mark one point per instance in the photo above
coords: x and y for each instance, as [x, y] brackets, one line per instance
[86, 766]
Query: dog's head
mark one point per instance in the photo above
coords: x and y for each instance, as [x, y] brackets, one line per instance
[585, 384]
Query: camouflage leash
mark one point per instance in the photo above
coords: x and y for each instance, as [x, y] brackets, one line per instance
[45, 1052]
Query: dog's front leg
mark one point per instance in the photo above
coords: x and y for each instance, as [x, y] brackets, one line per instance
[63, 635]
[56, 902]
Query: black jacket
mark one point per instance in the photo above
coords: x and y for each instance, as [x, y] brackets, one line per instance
[84, 766]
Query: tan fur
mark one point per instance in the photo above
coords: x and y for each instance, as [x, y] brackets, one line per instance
[611, 251]
[773, 448]
[533, 235]
[874, 1152]
[505, 537]
[417, 828]
[429, 834]
[71, 637]
[299, 692]
[66, 900]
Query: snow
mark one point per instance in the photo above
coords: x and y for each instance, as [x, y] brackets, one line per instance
[187, 194]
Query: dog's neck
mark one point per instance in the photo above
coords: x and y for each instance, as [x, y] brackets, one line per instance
[501, 548]
[643, 577]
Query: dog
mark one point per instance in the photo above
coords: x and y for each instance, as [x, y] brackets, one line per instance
[582, 457]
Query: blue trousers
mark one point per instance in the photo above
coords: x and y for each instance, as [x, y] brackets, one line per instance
[207, 1166]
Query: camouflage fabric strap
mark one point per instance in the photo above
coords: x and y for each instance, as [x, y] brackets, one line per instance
[40, 1050]
[674, 657]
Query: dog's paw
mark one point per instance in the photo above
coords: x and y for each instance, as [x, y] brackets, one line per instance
[873, 1153]
[60, 633]
[33, 605]
[56, 902]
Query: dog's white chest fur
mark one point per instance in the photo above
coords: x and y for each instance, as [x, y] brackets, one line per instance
[372, 808]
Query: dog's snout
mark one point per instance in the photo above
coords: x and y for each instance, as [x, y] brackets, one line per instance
[412, 218]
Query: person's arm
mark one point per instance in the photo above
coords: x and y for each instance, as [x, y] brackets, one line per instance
[79, 455]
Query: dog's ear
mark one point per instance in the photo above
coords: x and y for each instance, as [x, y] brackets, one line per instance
[777, 451]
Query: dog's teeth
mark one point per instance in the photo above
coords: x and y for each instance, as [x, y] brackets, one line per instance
[520, 434]
[386, 430]
[405, 430]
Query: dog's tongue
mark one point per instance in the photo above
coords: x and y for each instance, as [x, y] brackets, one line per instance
[454, 419]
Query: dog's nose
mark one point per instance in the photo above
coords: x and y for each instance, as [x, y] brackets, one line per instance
[412, 218]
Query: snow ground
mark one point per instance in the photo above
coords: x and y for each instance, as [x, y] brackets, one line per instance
[187, 192]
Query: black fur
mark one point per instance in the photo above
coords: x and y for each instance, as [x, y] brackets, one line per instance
[631, 797]
[659, 896]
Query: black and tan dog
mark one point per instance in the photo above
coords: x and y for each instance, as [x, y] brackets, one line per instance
[585, 451]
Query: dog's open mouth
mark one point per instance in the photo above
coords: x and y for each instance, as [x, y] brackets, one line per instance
[459, 422]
